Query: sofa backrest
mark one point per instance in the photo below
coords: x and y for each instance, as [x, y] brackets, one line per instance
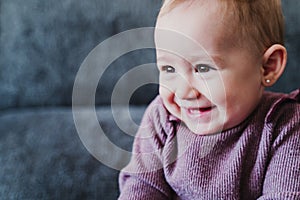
[43, 44]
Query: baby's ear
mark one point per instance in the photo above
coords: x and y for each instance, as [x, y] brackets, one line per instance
[274, 61]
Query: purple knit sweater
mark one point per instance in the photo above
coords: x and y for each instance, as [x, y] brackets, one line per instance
[258, 159]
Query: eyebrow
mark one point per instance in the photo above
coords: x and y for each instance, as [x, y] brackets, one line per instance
[193, 58]
[162, 57]
[218, 59]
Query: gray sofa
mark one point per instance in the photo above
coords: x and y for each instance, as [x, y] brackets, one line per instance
[43, 44]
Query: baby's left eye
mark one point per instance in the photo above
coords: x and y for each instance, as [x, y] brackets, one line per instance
[203, 68]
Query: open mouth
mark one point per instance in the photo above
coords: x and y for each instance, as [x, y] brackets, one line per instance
[200, 111]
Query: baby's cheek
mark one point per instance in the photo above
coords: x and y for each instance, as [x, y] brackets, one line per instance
[166, 87]
[167, 96]
[166, 93]
[214, 90]
[162, 90]
[220, 93]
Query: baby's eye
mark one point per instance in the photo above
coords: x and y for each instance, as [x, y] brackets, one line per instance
[168, 69]
[203, 68]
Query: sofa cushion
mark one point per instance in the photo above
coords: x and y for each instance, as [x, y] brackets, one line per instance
[42, 157]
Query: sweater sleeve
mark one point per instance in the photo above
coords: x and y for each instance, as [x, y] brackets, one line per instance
[143, 178]
[282, 179]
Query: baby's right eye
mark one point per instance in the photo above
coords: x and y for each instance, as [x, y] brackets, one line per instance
[168, 69]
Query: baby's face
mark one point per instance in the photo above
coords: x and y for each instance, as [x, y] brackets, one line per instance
[207, 81]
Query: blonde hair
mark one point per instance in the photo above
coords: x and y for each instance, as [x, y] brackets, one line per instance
[261, 20]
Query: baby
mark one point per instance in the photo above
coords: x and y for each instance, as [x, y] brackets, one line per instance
[213, 132]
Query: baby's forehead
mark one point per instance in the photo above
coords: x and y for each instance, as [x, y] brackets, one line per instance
[172, 44]
[192, 42]
[168, 56]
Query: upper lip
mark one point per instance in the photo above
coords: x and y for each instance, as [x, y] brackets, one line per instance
[196, 106]
[193, 105]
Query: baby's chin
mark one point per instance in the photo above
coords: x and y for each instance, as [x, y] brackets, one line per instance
[210, 127]
[205, 130]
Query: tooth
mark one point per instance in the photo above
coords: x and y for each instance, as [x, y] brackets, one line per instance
[194, 111]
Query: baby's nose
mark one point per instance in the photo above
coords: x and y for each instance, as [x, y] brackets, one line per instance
[186, 91]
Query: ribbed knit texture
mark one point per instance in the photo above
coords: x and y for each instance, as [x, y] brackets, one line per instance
[258, 159]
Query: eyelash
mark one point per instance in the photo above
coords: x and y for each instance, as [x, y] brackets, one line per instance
[168, 69]
[204, 67]
[198, 68]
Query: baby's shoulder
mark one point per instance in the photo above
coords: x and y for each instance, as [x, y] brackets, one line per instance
[284, 109]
